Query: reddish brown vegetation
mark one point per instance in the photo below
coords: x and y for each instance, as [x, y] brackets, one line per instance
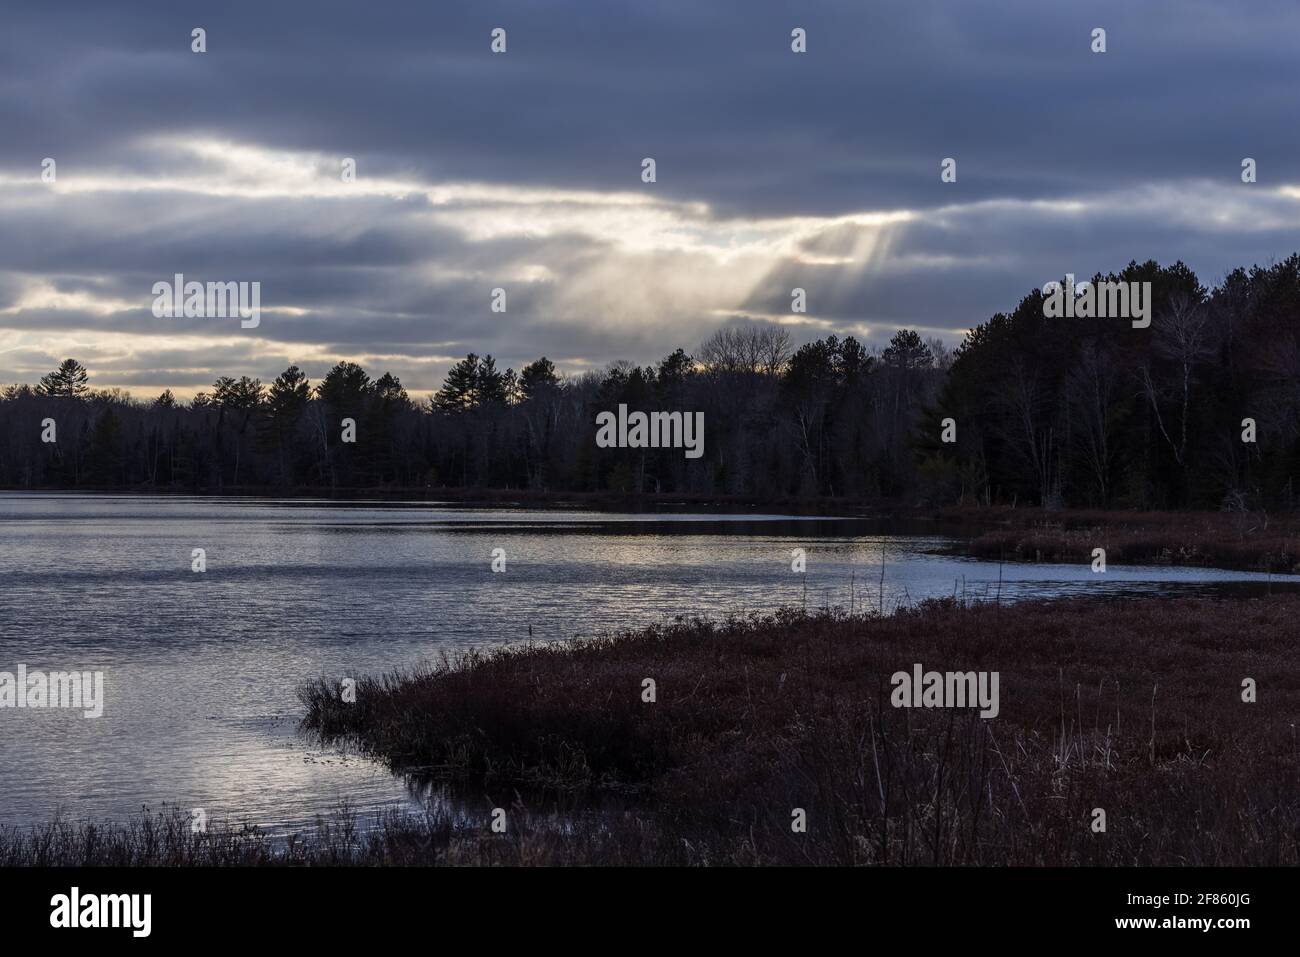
[1252, 541]
[1134, 708]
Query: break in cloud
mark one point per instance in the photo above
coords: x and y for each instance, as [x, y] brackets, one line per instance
[522, 171]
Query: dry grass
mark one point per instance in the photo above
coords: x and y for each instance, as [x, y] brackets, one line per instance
[165, 839]
[1251, 541]
[1134, 708]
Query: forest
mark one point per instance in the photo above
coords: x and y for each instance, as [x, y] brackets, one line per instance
[1052, 412]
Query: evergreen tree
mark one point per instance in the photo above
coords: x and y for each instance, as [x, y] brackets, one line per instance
[104, 456]
[286, 401]
[537, 377]
[288, 396]
[67, 381]
[460, 389]
[493, 386]
[344, 388]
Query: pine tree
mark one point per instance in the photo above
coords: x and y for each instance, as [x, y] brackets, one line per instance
[104, 455]
[537, 377]
[459, 392]
[493, 387]
[344, 388]
[67, 381]
[286, 402]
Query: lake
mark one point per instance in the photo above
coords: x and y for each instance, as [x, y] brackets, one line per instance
[200, 669]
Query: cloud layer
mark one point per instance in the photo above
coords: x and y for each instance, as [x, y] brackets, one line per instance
[522, 171]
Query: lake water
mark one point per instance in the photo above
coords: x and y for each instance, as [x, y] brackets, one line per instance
[200, 670]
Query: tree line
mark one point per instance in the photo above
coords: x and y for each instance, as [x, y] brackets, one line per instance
[1202, 409]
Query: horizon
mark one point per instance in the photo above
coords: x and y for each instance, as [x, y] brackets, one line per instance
[942, 352]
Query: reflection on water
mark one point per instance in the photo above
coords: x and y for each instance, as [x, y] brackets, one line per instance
[201, 669]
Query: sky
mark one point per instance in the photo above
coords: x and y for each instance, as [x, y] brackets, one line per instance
[522, 171]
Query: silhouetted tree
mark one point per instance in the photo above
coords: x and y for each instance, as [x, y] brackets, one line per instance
[67, 381]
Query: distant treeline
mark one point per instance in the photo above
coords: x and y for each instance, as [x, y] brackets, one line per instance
[1048, 411]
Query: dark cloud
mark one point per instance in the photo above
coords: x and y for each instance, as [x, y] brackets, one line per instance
[1137, 137]
[711, 90]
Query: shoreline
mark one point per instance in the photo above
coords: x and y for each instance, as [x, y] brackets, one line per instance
[1133, 708]
[1240, 541]
[1136, 708]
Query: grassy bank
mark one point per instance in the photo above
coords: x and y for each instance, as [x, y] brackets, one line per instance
[1248, 541]
[1134, 708]
[165, 838]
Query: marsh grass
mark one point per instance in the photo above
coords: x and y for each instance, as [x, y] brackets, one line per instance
[1249, 541]
[1132, 707]
[343, 838]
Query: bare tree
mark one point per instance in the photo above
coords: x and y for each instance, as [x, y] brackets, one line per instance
[1032, 438]
[1091, 388]
[753, 349]
[1182, 337]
